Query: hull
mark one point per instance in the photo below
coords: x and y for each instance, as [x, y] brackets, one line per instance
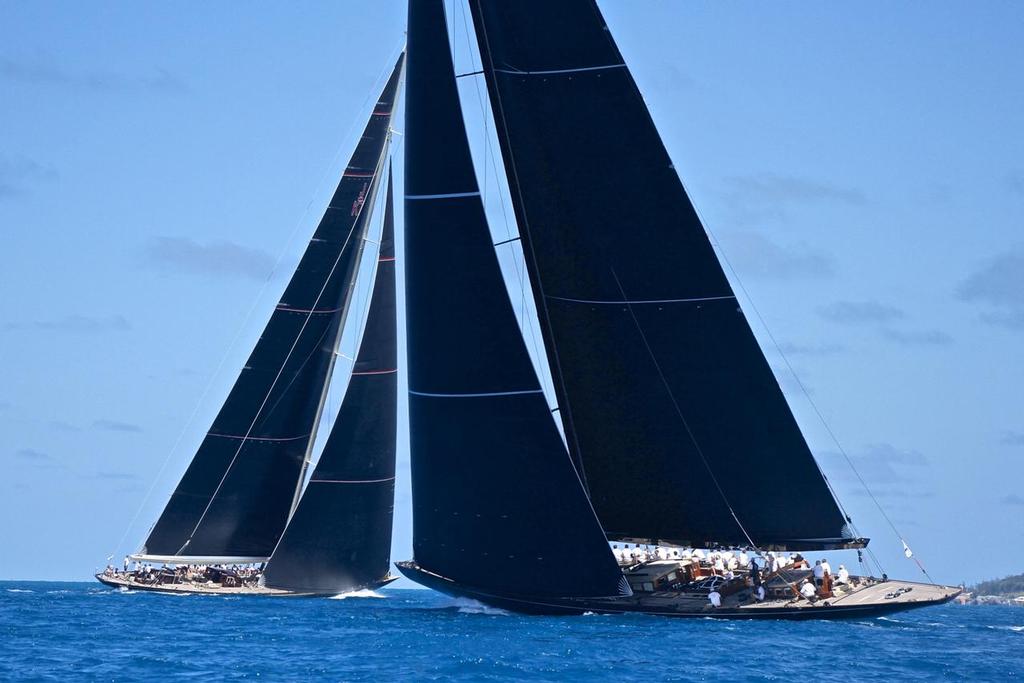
[215, 589]
[870, 601]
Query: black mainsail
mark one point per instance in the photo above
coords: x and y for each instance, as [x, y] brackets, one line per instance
[236, 496]
[664, 393]
[339, 537]
[496, 500]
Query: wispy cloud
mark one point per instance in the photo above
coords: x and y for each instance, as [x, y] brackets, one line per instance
[17, 175]
[116, 476]
[755, 255]
[62, 426]
[771, 195]
[999, 285]
[881, 465]
[75, 323]
[31, 454]
[1015, 181]
[218, 259]
[917, 337]
[115, 426]
[1012, 439]
[1012, 499]
[861, 312]
[45, 72]
[823, 349]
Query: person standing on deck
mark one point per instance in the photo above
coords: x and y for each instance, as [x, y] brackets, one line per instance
[819, 574]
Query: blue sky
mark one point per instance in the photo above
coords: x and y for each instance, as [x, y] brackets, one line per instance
[860, 166]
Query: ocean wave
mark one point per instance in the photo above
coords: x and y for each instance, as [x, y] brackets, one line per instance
[19, 590]
[470, 606]
[361, 593]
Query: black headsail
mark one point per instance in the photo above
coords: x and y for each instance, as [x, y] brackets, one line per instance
[497, 503]
[235, 498]
[669, 406]
[339, 537]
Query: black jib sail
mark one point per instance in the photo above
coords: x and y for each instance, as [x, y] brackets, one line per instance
[671, 411]
[339, 537]
[496, 500]
[235, 497]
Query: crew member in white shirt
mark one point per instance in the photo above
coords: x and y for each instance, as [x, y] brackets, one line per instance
[715, 598]
[807, 590]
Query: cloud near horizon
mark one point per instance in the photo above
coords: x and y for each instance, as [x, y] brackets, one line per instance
[18, 174]
[998, 284]
[754, 255]
[75, 323]
[917, 337]
[861, 312]
[44, 71]
[216, 259]
[770, 195]
[115, 426]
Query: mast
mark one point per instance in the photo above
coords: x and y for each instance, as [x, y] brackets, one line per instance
[497, 503]
[664, 393]
[339, 537]
[236, 496]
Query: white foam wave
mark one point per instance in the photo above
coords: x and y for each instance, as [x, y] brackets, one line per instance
[362, 593]
[470, 606]
[19, 590]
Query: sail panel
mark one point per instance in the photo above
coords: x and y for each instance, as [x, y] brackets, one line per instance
[339, 537]
[496, 502]
[236, 495]
[664, 392]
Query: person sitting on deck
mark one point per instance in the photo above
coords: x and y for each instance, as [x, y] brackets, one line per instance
[719, 565]
[759, 593]
[808, 591]
[843, 577]
[743, 559]
[715, 598]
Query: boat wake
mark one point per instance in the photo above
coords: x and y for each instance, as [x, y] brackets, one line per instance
[469, 606]
[362, 593]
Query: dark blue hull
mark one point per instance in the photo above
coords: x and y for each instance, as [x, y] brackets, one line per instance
[646, 605]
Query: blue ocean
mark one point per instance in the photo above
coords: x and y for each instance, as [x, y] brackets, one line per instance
[83, 631]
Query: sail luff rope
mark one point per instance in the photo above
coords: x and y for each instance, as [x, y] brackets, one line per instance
[526, 318]
[542, 308]
[342, 146]
[280, 370]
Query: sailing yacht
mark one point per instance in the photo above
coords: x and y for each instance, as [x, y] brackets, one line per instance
[672, 429]
[239, 520]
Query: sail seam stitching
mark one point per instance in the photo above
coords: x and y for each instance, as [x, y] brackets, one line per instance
[450, 195]
[644, 301]
[517, 72]
[350, 481]
[477, 395]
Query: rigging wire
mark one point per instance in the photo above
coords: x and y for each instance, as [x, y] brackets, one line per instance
[257, 300]
[686, 424]
[526, 315]
[814, 406]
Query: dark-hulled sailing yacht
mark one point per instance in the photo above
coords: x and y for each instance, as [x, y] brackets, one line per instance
[675, 429]
[241, 502]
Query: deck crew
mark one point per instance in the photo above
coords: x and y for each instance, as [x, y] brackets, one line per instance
[843, 577]
[759, 593]
[819, 574]
[715, 598]
[744, 559]
[808, 591]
